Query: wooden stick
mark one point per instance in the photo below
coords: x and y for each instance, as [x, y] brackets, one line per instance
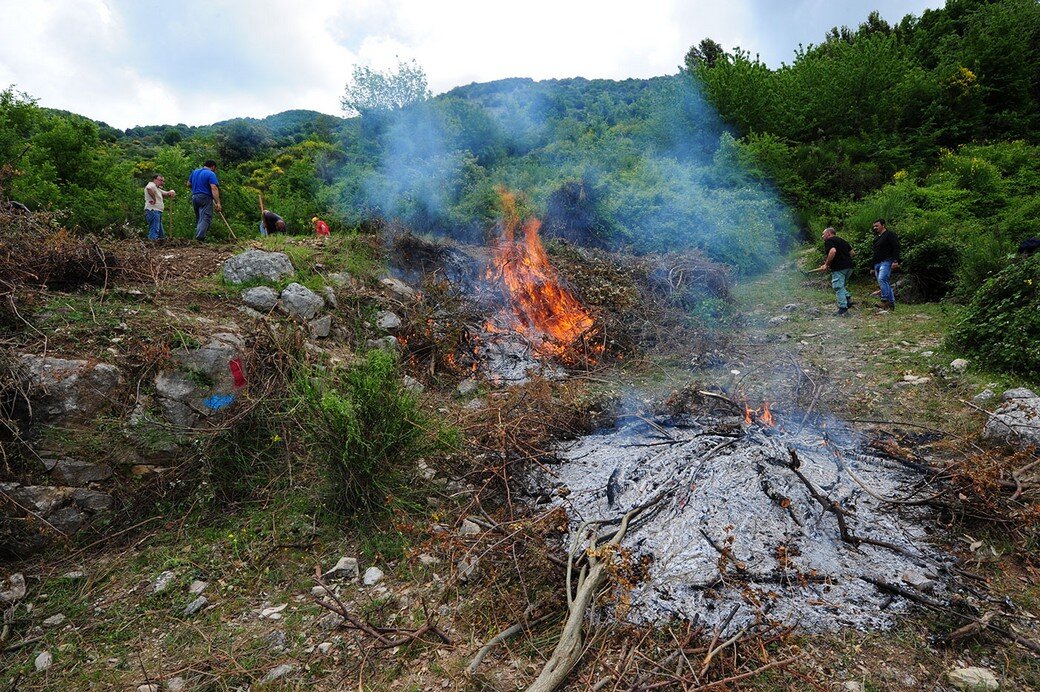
[230, 230]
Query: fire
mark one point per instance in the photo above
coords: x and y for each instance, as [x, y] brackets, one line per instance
[541, 307]
[762, 414]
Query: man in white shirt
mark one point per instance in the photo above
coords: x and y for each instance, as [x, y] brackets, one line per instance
[153, 206]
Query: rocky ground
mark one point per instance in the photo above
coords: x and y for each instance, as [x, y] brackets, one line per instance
[147, 577]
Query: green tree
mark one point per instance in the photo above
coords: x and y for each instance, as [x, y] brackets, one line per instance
[373, 92]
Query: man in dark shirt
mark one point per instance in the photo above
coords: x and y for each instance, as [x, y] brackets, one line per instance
[883, 261]
[271, 223]
[838, 261]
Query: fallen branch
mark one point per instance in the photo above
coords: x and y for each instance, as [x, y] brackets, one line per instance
[501, 637]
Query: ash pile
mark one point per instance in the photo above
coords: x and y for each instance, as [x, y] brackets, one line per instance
[751, 524]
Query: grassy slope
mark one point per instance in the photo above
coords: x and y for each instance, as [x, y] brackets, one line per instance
[118, 634]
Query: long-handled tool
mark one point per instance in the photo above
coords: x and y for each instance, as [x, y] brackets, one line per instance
[224, 218]
[171, 217]
[261, 209]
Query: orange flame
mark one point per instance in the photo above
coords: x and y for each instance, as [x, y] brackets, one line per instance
[542, 307]
[767, 416]
[762, 414]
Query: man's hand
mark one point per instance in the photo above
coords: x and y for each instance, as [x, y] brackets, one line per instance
[895, 265]
[822, 268]
[217, 205]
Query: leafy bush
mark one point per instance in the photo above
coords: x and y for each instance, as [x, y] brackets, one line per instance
[1001, 325]
[365, 428]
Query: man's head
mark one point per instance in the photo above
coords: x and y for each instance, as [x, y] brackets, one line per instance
[280, 225]
[158, 179]
[828, 233]
[210, 164]
[879, 226]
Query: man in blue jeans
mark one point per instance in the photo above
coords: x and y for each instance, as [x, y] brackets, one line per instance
[205, 196]
[883, 261]
[838, 261]
[153, 206]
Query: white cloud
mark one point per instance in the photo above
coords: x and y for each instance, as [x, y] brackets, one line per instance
[132, 62]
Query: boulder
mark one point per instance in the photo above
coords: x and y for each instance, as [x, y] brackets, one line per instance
[91, 500]
[300, 301]
[73, 472]
[204, 382]
[196, 605]
[260, 298]
[1017, 421]
[69, 389]
[959, 364]
[257, 265]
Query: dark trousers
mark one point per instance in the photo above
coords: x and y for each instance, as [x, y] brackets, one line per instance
[203, 206]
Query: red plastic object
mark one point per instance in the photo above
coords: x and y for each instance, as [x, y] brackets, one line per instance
[237, 373]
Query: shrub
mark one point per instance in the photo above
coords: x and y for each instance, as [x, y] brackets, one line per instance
[1001, 325]
[365, 428]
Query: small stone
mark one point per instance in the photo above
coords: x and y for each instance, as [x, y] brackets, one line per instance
[387, 343]
[927, 354]
[324, 648]
[260, 298]
[321, 327]
[813, 312]
[373, 575]
[275, 640]
[959, 364]
[973, 679]
[330, 621]
[467, 387]
[398, 287]
[54, 620]
[279, 672]
[469, 568]
[339, 278]
[148, 687]
[791, 307]
[196, 605]
[919, 581]
[984, 396]
[274, 613]
[163, 581]
[412, 385]
[346, 568]
[428, 560]
[75, 574]
[778, 320]
[853, 686]
[475, 405]
[330, 298]
[43, 661]
[17, 590]
[177, 684]
[197, 587]
[469, 528]
[388, 321]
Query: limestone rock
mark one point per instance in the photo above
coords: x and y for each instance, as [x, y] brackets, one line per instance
[412, 385]
[959, 364]
[321, 327]
[278, 672]
[387, 343]
[43, 661]
[301, 302]
[1017, 421]
[17, 590]
[330, 298]
[196, 605]
[256, 265]
[373, 575]
[985, 395]
[67, 519]
[260, 298]
[398, 287]
[177, 684]
[91, 500]
[791, 307]
[346, 568]
[467, 387]
[469, 528]
[469, 568]
[778, 320]
[73, 472]
[203, 384]
[973, 679]
[197, 587]
[69, 389]
[148, 687]
[339, 278]
[388, 321]
[163, 581]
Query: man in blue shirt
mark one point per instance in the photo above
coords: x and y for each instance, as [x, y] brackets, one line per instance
[205, 195]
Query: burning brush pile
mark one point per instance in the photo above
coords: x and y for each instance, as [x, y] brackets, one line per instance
[736, 521]
[507, 313]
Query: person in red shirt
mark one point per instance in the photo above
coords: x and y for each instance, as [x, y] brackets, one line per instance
[320, 227]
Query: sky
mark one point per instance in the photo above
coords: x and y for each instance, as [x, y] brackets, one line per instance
[141, 62]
